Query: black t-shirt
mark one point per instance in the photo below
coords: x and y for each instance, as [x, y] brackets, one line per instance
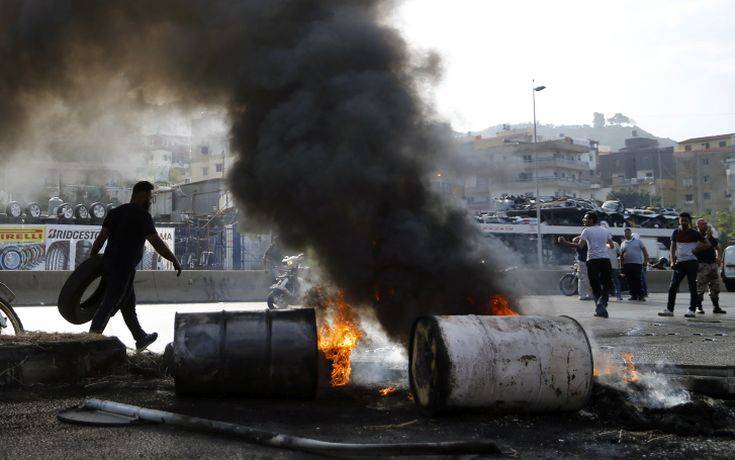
[709, 256]
[128, 225]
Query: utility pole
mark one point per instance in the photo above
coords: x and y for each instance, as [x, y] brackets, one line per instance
[539, 247]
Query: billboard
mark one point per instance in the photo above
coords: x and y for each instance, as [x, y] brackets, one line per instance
[22, 247]
[64, 247]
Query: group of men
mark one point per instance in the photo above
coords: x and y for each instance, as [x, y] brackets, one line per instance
[695, 255]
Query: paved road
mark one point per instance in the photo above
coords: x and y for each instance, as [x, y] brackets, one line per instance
[705, 340]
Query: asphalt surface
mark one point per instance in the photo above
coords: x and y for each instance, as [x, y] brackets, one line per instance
[29, 429]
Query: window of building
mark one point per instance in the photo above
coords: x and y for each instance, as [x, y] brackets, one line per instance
[204, 150]
[723, 144]
[706, 195]
[705, 161]
[687, 182]
[705, 145]
[219, 167]
[705, 179]
[527, 158]
[649, 174]
[524, 176]
[689, 198]
[205, 171]
[688, 148]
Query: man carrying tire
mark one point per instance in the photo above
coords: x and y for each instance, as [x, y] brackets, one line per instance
[126, 229]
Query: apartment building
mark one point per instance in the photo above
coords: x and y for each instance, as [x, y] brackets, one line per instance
[511, 163]
[702, 173]
[640, 166]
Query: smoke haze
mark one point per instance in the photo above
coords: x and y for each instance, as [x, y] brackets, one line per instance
[335, 144]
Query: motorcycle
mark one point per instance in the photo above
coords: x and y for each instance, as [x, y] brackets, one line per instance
[9, 321]
[286, 290]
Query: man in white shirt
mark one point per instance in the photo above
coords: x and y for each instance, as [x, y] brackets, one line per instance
[598, 240]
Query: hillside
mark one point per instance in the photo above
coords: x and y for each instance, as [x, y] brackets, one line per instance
[612, 135]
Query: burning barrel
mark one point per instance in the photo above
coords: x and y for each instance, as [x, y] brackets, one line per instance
[249, 353]
[502, 363]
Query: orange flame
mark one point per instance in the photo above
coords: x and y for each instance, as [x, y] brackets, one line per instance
[338, 339]
[387, 390]
[500, 306]
[630, 374]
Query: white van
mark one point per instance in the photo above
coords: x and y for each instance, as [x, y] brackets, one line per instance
[729, 277]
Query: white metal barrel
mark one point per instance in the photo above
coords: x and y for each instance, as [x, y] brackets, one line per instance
[502, 363]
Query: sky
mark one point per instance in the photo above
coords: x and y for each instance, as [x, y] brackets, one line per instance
[667, 64]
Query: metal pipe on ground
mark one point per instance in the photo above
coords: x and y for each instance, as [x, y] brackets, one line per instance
[280, 440]
[264, 353]
[499, 363]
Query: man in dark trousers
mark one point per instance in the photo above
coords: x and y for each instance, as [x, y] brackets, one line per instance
[126, 229]
[708, 272]
[633, 256]
[685, 244]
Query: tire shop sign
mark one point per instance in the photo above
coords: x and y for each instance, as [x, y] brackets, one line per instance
[63, 247]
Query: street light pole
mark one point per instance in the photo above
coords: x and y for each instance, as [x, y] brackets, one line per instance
[535, 176]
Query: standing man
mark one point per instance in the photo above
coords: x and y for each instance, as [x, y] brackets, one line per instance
[126, 229]
[633, 257]
[685, 243]
[614, 253]
[583, 282]
[597, 240]
[708, 272]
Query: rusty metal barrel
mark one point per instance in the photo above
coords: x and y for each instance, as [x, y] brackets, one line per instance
[265, 353]
[499, 363]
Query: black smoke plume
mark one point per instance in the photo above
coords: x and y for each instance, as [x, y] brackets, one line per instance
[335, 144]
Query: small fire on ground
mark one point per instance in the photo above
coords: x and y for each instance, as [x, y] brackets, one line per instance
[629, 373]
[387, 391]
[338, 337]
[500, 306]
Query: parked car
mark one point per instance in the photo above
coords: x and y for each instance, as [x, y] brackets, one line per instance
[728, 272]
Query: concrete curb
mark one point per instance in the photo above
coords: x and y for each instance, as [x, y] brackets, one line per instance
[58, 362]
[43, 287]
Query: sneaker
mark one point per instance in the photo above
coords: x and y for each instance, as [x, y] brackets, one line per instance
[666, 312]
[719, 311]
[585, 298]
[641, 299]
[632, 299]
[689, 314]
[142, 344]
[700, 311]
[601, 312]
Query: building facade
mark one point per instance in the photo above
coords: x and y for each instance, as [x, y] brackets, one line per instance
[640, 166]
[512, 164]
[702, 173]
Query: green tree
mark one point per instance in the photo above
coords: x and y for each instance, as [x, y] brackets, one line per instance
[634, 198]
[724, 222]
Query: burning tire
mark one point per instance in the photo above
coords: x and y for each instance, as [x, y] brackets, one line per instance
[71, 304]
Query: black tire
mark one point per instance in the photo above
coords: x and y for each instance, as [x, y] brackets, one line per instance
[97, 211]
[57, 257]
[14, 326]
[65, 212]
[730, 285]
[81, 212]
[13, 210]
[568, 284]
[70, 303]
[276, 300]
